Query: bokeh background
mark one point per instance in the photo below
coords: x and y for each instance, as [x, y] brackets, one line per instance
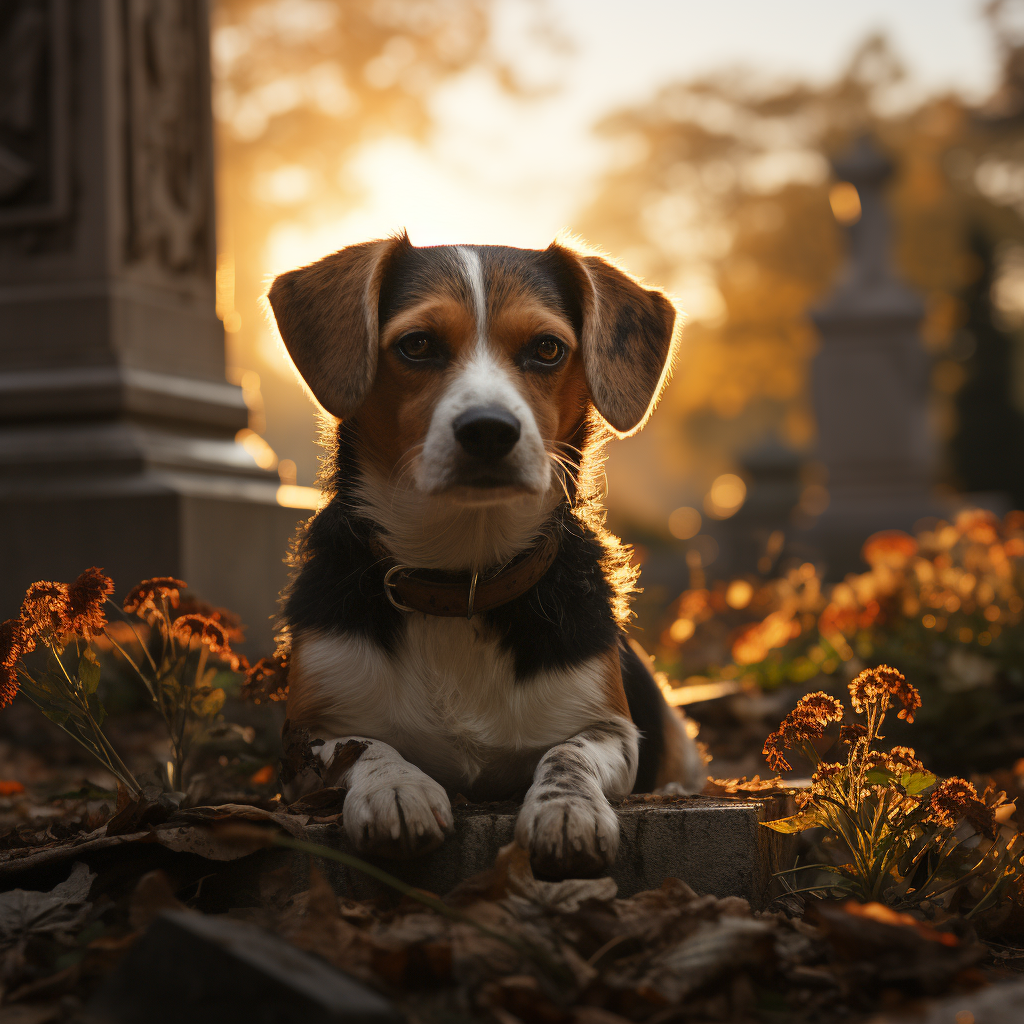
[691, 141]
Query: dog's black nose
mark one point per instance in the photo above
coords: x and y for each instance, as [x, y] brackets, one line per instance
[486, 432]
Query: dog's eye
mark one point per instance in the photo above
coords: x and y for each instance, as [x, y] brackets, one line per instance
[547, 350]
[416, 346]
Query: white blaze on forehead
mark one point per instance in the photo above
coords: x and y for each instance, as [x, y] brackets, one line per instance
[475, 278]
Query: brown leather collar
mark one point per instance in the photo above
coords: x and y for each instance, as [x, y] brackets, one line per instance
[464, 594]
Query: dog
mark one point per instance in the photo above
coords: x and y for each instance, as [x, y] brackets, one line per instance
[457, 608]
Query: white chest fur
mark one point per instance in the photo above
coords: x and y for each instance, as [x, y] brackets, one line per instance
[447, 700]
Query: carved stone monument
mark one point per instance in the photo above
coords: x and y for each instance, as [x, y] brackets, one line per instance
[870, 385]
[117, 426]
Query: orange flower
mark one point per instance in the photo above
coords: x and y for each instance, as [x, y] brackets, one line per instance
[826, 772]
[954, 800]
[143, 597]
[207, 631]
[267, 680]
[228, 621]
[45, 609]
[8, 684]
[853, 732]
[877, 685]
[890, 547]
[903, 759]
[11, 643]
[86, 597]
[807, 721]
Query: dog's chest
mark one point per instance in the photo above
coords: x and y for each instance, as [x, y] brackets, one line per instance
[449, 701]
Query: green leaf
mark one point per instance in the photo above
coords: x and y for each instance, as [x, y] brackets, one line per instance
[89, 670]
[916, 782]
[879, 777]
[804, 819]
[212, 703]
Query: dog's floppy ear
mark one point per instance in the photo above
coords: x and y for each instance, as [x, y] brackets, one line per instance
[327, 316]
[626, 339]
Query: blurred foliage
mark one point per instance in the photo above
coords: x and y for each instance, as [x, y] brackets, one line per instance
[722, 194]
[944, 607]
[300, 86]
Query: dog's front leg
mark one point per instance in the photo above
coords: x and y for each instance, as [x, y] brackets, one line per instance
[566, 821]
[391, 808]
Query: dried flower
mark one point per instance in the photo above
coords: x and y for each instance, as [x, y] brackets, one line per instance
[903, 759]
[266, 680]
[954, 800]
[207, 631]
[851, 733]
[893, 548]
[144, 596]
[86, 597]
[8, 684]
[807, 721]
[825, 772]
[227, 620]
[45, 609]
[11, 643]
[877, 685]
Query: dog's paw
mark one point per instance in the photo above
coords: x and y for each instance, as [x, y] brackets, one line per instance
[403, 816]
[568, 835]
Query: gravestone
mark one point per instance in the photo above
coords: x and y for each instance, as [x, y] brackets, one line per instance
[117, 427]
[870, 385]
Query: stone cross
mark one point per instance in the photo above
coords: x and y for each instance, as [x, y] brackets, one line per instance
[870, 385]
[117, 427]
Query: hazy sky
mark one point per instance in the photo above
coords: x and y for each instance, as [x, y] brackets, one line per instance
[512, 172]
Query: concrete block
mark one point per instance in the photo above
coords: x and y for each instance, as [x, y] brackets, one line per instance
[716, 846]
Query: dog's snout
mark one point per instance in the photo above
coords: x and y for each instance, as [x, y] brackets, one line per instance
[487, 432]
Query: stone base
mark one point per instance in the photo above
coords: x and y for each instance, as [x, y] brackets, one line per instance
[715, 846]
[227, 538]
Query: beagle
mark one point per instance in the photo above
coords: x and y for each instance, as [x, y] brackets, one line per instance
[457, 606]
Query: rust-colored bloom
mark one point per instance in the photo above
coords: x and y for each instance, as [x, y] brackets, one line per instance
[851, 733]
[954, 800]
[807, 721]
[825, 772]
[227, 620]
[45, 609]
[267, 680]
[11, 643]
[878, 685]
[903, 759]
[890, 547]
[207, 631]
[86, 598]
[143, 597]
[11, 650]
[8, 684]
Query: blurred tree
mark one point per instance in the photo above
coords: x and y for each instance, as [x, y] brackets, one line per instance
[299, 87]
[722, 194]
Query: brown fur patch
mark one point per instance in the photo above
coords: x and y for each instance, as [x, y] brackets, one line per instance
[397, 411]
[611, 685]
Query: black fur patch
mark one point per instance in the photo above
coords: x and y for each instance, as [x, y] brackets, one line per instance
[645, 708]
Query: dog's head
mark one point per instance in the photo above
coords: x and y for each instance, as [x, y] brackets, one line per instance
[465, 367]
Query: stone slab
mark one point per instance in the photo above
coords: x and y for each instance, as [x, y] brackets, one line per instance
[210, 970]
[716, 846]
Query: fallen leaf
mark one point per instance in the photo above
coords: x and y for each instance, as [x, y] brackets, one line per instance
[61, 911]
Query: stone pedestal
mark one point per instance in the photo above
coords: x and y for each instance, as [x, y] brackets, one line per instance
[116, 424]
[870, 386]
[715, 846]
